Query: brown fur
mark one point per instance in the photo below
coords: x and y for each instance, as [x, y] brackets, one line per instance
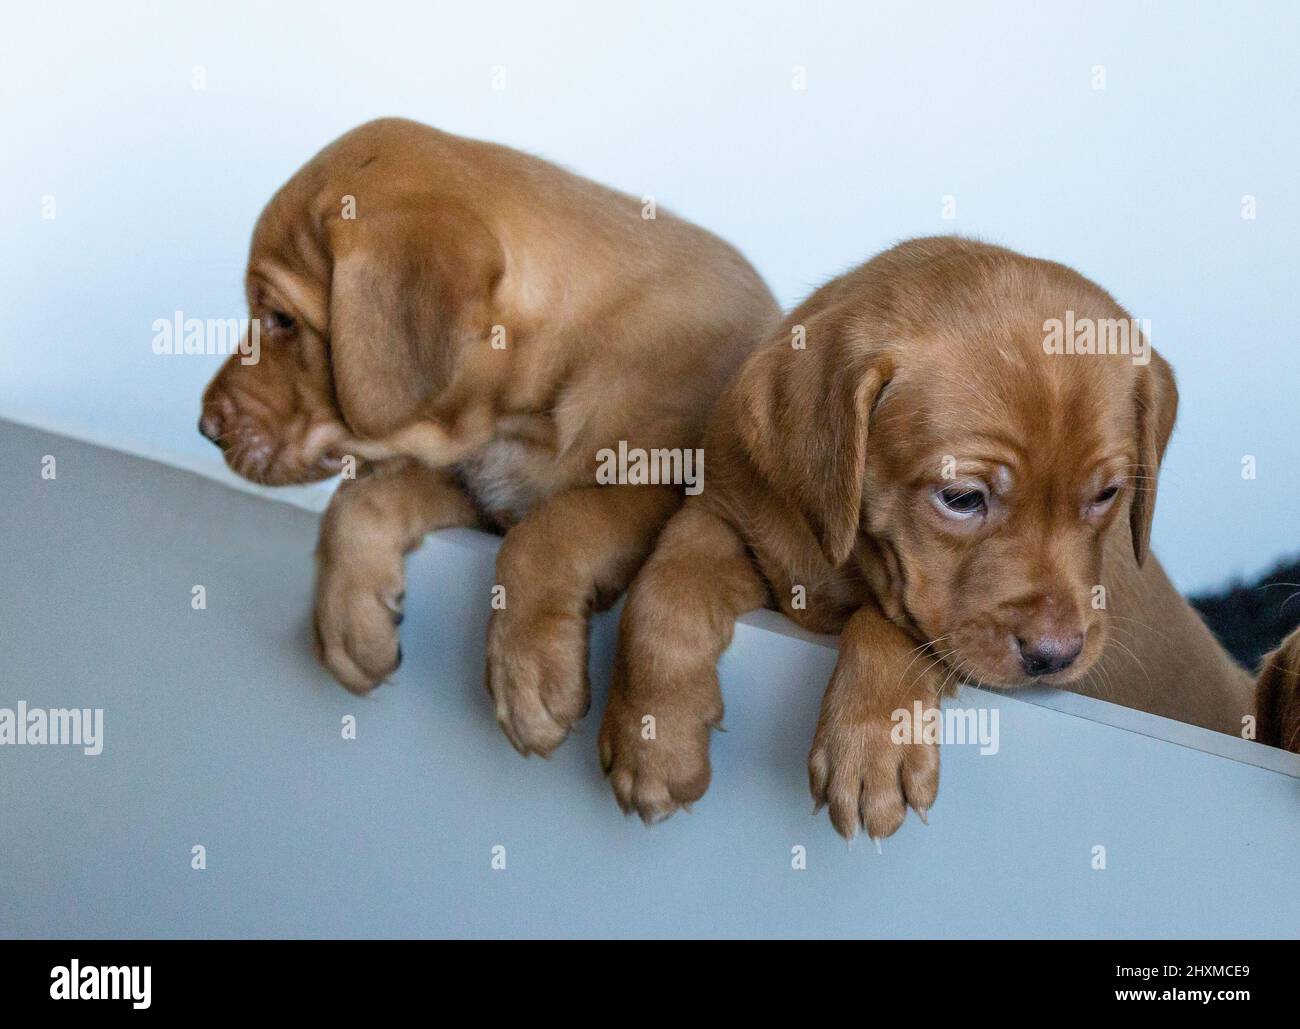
[378, 338]
[824, 466]
[1277, 696]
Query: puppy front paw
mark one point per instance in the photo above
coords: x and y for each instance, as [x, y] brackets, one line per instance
[358, 609]
[865, 778]
[1277, 696]
[656, 753]
[537, 676]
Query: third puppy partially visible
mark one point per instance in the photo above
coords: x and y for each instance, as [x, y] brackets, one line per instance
[1278, 696]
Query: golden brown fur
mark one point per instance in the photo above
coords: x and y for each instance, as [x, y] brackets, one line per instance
[921, 375]
[1277, 696]
[474, 333]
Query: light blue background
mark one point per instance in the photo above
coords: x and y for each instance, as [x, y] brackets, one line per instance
[1140, 185]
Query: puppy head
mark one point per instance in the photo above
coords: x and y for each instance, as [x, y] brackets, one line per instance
[355, 317]
[975, 475]
[272, 408]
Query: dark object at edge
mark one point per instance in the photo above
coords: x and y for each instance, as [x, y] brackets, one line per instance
[1251, 619]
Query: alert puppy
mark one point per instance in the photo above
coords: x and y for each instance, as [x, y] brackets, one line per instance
[479, 326]
[908, 463]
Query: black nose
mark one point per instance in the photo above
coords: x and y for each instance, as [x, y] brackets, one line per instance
[210, 426]
[1048, 654]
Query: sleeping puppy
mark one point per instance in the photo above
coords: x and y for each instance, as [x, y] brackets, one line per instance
[474, 326]
[904, 462]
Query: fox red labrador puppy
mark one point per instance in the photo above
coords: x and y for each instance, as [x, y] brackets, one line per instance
[913, 461]
[477, 327]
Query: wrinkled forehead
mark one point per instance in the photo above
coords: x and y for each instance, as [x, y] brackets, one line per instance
[287, 267]
[1007, 399]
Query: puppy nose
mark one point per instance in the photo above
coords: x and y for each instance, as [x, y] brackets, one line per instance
[210, 425]
[1048, 654]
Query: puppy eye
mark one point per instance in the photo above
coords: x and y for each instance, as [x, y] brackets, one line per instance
[280, 321]
[960, 501]
[1105, 497]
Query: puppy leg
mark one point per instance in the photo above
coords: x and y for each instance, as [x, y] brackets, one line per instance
[1277, 696]
[856, 767]
[369, 526]
[678, 620]
[578, 550]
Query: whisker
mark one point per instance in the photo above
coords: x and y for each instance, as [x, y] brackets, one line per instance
[919, 651]
[1137, 621]
[1135, 660]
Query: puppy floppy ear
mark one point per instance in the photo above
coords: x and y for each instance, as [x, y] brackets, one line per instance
[803, 419]
[408, 286]
[1157, 407]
